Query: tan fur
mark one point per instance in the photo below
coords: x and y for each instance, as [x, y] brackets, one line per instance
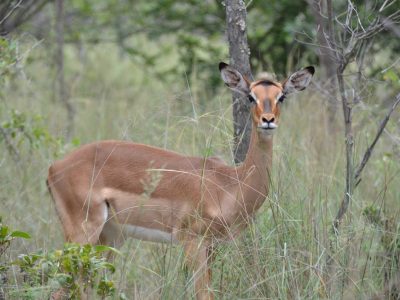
[197, 201]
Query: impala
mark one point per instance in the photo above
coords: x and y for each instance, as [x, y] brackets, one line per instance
[108, 190]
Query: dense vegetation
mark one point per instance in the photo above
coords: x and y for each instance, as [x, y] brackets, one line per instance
[147, 71]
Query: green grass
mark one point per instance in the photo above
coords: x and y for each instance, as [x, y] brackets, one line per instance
[282, 255]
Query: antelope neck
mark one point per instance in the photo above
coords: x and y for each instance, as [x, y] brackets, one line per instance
[255, 171]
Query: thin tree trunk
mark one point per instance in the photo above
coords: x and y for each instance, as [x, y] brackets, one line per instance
[239, 58]
[61, 90]
[349, 140]
[327, 59]
[15, 13]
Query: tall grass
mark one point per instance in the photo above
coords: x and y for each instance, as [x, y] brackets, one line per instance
[283, 252]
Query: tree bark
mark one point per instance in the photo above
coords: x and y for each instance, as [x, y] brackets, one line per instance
[61, 90]
[239, 58]
[326, 57]
[349, 140]
[15, 13]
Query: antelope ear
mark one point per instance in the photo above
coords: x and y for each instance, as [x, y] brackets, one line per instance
[234, 79]
[298, 81]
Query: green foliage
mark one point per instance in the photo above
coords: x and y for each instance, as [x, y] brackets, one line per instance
[118, 56]
[8, 58]
[77, 269]
[198, 28]
[373, 215]
[23, 128]
[390, 240]
[7, 236]
[393, 76]
[198, 38]
[387, 227]
[273, 28]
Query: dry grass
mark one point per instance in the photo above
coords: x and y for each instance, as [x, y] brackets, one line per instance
[283, 253]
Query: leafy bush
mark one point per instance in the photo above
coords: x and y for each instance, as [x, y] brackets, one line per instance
[373, 215]
[19, 128]
[6, 236]
[76, 270]
[8, 58]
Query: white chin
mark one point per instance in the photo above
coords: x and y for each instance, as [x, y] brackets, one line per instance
[266, 132]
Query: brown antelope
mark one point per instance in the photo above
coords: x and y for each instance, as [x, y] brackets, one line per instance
[108, 190]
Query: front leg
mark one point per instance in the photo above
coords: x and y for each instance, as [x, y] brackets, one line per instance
[197, 259]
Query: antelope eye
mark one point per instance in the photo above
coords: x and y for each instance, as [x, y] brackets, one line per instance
[251, 99]
[281, 98]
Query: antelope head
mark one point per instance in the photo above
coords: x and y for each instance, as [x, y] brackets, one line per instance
[264, 95]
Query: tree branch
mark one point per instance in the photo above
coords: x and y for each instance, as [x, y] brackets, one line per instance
[11, 147]
[61, 88]
[368, 152]
[390, 25]
[10, 12]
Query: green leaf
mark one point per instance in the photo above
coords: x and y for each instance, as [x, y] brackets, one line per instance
[391, 75]
[3, 231]
[103, 248]
[76, 142]
[20, 234]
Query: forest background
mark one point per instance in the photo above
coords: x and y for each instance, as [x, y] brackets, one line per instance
[72, 72]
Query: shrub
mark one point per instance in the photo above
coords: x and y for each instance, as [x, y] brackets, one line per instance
[76, 270]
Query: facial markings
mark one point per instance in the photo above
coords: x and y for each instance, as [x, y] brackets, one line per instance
[267, 108]
[254, 96]
[280, 97]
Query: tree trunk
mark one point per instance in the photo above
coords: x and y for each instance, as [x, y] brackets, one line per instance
[239, 58]
[349, 140]
[327, 60]
[15, 13]
[61, 91]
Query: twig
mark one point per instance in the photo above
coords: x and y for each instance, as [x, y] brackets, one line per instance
[351, 43]
[11, 11]
[369, 150]
[11, 148]
[390, 25]
[391, 66]
[62, 92]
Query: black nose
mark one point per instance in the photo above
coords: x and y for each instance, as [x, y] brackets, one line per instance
[267, 121]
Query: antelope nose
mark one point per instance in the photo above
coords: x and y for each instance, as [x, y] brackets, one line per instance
[267, 119]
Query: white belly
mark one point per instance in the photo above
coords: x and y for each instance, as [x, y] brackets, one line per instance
[116, 234]
[147, 234]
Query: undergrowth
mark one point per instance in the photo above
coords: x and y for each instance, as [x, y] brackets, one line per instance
[281, 255]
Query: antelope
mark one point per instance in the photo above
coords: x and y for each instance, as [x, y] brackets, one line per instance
[108, 190]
